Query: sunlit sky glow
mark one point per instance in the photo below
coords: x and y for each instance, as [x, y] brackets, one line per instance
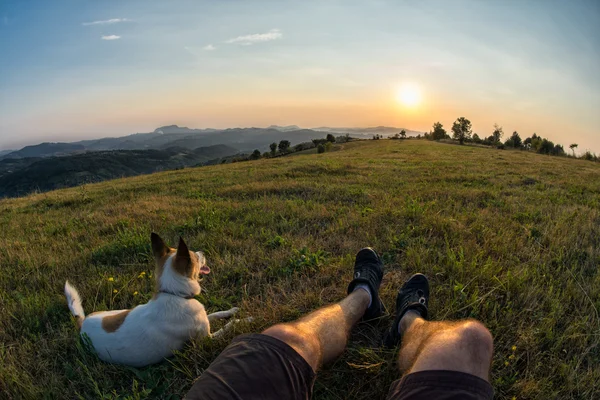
[79, 69]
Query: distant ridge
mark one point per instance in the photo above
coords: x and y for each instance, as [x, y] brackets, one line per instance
[45, 150]
[244, 139]
[285, 128]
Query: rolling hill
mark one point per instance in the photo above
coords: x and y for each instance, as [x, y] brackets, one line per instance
[510, 238]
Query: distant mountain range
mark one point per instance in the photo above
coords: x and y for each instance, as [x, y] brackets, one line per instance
[49, 166]
[22, 176]
[243, 139]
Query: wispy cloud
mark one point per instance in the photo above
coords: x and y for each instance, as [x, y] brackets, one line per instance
[111, 37]
[273, 34]
[107, 21]
[209, 47]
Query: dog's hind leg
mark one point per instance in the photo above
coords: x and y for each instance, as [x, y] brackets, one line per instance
[229, 325]
[222, 314]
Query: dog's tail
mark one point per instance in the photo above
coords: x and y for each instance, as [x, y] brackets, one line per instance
[74, 302]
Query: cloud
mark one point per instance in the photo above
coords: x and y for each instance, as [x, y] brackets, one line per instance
[247, 40]
[209, 47]
[107, 21]
[111, 37]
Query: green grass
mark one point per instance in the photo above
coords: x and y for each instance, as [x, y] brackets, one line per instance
[507, 237]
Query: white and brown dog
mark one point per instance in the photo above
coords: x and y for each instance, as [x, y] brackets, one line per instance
[150, 332]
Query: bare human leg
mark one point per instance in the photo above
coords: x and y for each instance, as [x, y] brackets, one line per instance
[463, 346]
[321, 336]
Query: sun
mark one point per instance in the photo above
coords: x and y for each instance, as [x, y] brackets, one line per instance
[409, 95]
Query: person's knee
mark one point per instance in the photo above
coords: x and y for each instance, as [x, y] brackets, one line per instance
[307, 345]
[476, 338]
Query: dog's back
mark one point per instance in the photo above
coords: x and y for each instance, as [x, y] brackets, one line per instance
[148, 333]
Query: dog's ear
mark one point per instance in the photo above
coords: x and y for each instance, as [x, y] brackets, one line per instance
[159, 248]
[183, 261]
[182, 250]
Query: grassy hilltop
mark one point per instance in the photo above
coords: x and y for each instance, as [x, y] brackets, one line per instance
[507, 237]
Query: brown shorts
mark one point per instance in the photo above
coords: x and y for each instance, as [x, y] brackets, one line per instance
[262, 367]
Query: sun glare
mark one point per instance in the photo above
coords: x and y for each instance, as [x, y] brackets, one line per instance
[409, 95]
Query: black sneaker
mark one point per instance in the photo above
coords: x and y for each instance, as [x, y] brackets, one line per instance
[368, 270]
[412, 296]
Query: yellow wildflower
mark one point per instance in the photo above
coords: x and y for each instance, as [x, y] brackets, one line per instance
[142, 274]
[135, 293]
[115, 290]
[514, 348]
[506, 363]
[511, 357]
[111, 279]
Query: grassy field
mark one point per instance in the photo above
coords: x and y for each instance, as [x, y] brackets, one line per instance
[507, 237]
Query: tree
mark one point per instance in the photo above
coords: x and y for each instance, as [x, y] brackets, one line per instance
[330, 138]
[476, 138]
[273, 147]
[573, 147]
[284, 145]
[461, 129]
[439, 132]
[403, 134]
[514, 141]
[498, 133]
[545, 146]
[320, 148]
[255, 155]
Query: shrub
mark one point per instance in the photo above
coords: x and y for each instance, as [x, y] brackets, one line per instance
[589, 156]
[320, 149]
[330, 138]
[304, 146]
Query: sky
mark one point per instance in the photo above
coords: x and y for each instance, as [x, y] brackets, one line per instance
[75, 69]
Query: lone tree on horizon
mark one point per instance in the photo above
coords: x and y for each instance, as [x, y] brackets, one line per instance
[403, 133]
[273, 147]
[462, 129]
[573, 146]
